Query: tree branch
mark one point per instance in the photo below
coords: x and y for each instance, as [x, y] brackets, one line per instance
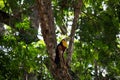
[11, 20]
[77, 11]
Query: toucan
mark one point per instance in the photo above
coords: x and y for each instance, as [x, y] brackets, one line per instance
[61, 47]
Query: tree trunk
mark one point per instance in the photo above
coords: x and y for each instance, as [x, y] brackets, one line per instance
[47, 26]
[48, 31]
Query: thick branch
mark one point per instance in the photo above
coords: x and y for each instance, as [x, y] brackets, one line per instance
[77, 11]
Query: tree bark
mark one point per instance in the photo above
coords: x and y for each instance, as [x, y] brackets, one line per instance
[77, 11]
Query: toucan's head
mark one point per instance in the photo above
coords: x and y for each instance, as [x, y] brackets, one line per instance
[64, 43]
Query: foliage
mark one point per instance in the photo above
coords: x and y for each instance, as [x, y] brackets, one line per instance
[98, 31]
[97, 40]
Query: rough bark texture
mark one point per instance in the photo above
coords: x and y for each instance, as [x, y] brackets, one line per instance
[77, 11]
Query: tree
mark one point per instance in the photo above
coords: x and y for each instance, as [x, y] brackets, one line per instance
[94, 45]
[48, 32]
